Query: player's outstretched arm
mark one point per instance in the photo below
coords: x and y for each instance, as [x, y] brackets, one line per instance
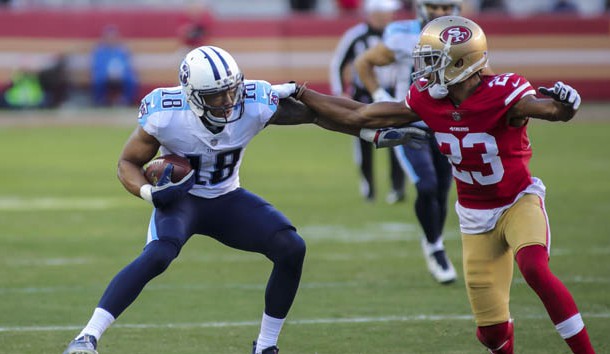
[347, 112]
[562, 105]
[293, 112]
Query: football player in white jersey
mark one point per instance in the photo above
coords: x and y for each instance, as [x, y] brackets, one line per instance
[426, 167]
[209, 119]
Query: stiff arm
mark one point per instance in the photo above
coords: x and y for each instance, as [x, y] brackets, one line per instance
[349, 113]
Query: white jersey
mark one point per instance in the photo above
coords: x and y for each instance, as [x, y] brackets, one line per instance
[401, 37]
[216, 158]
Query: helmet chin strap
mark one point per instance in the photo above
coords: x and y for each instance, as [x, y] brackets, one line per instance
[438, 91]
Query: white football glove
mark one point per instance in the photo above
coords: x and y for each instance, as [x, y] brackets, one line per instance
[386, 137]
[562, 93]
[381, 95]
[291, 89]
[285, 90]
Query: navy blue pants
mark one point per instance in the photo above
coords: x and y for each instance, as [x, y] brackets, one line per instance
[238, 219]
[430, 171]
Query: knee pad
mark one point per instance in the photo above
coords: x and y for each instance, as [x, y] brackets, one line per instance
[427, 188]
[159, 254]
[286, 246]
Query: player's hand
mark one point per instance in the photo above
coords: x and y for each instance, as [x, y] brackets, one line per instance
[165, 192]
[414, 137]
[381, 95]
[285, 90]
[291, 89]
[562, 93]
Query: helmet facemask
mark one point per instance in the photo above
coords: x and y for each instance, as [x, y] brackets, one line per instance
[201, 101]
[430, 65]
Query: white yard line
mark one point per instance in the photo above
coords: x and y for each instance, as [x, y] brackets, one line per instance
[8, 203]
[295, 322]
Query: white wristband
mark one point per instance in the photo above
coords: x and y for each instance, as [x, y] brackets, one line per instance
[368, 134]
[146, 193]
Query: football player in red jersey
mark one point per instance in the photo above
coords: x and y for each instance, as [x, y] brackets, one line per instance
[480, 124]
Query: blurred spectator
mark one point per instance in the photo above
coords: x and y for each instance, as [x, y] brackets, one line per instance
[492, 5]
[113, 77]
[303, 5]
[528, 7]
[54, 82]
[564, 6]
[24, 91]
[194, 29]
[348, 5]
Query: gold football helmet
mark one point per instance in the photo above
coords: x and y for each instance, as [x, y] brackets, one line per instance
[450, 50]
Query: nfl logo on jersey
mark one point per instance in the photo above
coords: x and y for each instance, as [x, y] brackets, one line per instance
[274, 98]
[143, 110]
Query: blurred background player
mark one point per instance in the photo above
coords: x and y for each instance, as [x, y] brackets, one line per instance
[344, 81]
[425, 166]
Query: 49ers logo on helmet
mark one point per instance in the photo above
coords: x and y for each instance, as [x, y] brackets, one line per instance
[458, 34]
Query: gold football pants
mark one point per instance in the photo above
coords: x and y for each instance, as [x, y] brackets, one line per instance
[488, 257]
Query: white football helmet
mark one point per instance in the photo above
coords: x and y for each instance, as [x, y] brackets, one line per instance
[209, 70]
[424, 16]
[450, 50]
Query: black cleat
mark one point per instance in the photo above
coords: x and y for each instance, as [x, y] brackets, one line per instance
[270, 350]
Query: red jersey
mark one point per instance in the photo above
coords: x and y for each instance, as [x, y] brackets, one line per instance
[490, 158]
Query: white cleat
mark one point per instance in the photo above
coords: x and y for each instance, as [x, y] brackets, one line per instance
[438, 263]
[82, 345]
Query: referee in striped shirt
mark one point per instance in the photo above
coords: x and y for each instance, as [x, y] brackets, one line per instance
[345, 82]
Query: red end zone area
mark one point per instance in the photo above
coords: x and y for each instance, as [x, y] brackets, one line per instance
[543, 48]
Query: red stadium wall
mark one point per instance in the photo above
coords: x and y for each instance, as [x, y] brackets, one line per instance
[542, 48]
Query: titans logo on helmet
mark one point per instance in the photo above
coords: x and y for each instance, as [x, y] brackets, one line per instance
[185, 72]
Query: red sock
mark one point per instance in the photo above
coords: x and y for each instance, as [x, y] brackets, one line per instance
[499, 338]
[533, 262]
[580, 343]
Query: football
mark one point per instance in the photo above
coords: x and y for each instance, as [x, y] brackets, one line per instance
[154, 169]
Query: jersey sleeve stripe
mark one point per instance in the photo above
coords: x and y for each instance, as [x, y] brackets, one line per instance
[516, 93]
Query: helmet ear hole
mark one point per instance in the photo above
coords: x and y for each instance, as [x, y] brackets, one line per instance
[459, 63]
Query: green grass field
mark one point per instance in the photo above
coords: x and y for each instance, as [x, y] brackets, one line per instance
[67, 226]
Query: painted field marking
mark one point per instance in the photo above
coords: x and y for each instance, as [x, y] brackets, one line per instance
[313, 321]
